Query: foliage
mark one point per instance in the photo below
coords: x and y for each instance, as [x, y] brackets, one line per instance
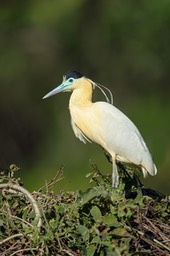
[130, 220]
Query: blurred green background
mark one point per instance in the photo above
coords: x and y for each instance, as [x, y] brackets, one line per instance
[124, 45]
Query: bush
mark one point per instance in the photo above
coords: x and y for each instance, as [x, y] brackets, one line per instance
[130, 220]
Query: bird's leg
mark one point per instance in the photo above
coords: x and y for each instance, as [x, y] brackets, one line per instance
[115, 175]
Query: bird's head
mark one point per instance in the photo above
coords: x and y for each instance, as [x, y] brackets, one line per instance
[74, 80]
[71, 81]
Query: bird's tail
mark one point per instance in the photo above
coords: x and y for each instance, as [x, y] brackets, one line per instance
[152, 170]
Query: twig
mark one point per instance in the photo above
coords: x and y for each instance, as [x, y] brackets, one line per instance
[68, 253]
[27, 249]
[53, 181]
[22, 220]
[10, 237]
[155, 228]
[156, 241]
[30, 198]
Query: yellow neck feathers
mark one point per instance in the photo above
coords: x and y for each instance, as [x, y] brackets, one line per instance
[82, 92]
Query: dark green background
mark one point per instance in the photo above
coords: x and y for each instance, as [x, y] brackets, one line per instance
[124, 45]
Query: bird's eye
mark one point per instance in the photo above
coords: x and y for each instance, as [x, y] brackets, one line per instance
[71, 80]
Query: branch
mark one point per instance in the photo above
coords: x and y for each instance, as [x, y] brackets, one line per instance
[30, 198]
[9, 238]
[155, 240]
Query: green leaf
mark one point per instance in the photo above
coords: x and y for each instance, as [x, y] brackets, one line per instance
[95, 240]
[96, 213]
[119, 232]
[84, 232]
[89, 174]
[90, 250]
[91, 193]
[108, 242]
[110, 220]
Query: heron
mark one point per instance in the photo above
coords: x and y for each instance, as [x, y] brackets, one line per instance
[104, 124]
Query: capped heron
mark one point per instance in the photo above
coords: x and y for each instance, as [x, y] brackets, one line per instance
[104, 124]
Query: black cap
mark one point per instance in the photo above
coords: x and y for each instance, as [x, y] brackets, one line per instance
[73, 74]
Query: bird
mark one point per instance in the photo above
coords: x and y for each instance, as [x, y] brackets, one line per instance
[104, 124]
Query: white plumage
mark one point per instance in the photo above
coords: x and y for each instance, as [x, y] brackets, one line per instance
[104, 124]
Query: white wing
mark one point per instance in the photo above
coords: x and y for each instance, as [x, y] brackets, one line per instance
[122, 136]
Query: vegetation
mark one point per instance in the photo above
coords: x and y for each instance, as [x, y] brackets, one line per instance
[130, 220]
[121, 44]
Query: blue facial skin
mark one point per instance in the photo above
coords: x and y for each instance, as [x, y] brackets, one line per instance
[66, 85]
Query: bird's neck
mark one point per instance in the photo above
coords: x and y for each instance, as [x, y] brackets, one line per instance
[82, 94]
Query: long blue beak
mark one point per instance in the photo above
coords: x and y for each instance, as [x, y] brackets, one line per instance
[56, 90]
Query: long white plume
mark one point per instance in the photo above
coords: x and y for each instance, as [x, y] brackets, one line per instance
[103, 88]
